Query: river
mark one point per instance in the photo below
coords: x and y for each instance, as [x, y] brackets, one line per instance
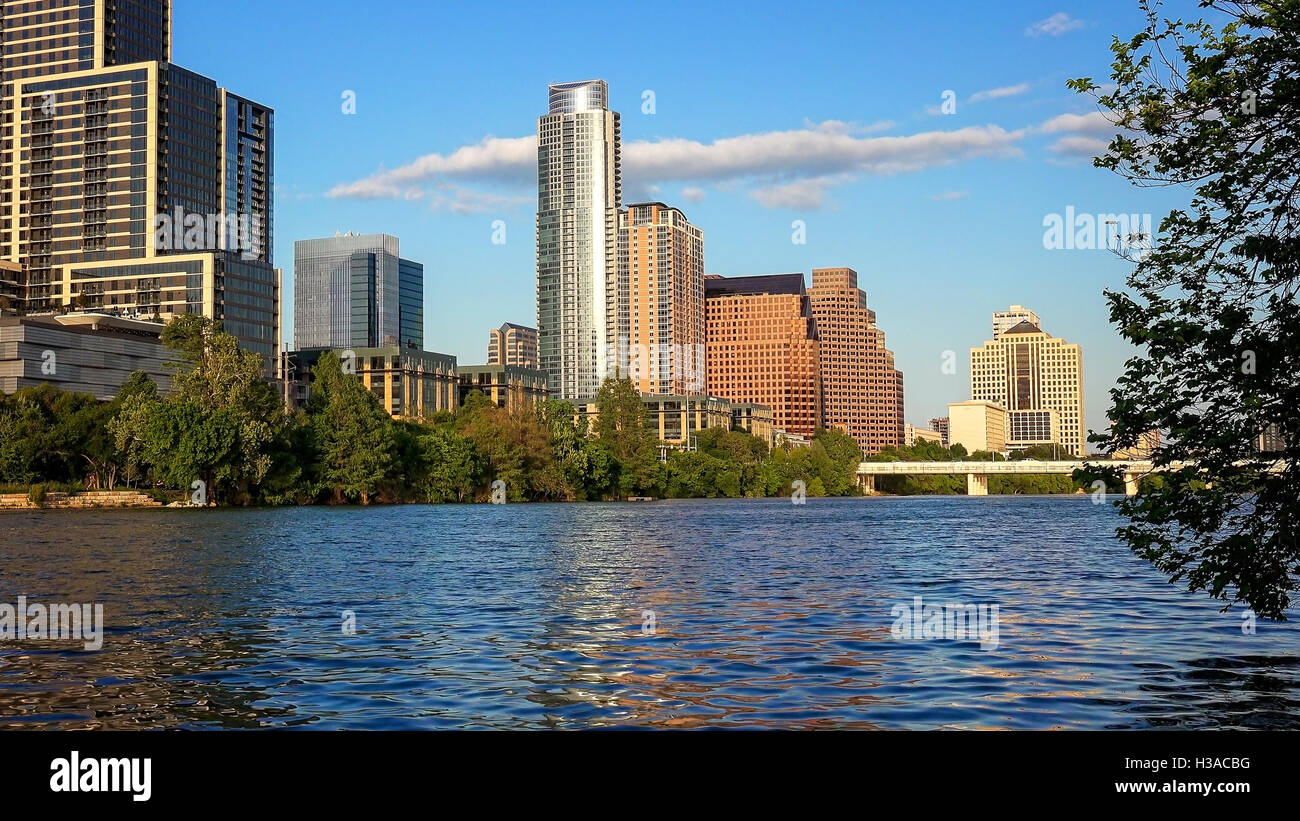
[717, 613]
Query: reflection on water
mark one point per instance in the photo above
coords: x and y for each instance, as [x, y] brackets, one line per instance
[766, 614]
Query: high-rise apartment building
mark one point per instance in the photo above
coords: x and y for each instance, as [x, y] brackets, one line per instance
[1013, 316]
[940, 425]
[762, 347]
[128, 184]
[582, 309]
[1038, 378]
[356, 291]
[513, 344]
[661, 258]
[862, 391]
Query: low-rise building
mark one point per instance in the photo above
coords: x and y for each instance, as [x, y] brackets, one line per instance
[409, 382]
[506, 386]
[913, 434]
[754, 419]
[81, 353]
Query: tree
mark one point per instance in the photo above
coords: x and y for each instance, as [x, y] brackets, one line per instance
[1213, 307]
[351, 432]
[622, 430]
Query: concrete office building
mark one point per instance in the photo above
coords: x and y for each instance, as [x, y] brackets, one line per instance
[978, 425]
[513, 344]
[356, 291]
[762, 347]
[861, 390]
[1038, 378]
[127, 183]
[506, 386]
[582, 309]
[81, 353]
[661, 258]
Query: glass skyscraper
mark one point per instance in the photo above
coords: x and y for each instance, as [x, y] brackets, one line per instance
[582, 306]
[355, 291]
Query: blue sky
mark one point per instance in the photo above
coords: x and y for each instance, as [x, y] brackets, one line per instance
[764, 114]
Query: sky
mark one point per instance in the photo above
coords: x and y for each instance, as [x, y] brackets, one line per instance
[753, 118]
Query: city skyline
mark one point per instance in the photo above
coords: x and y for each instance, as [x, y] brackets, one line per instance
[982, 249]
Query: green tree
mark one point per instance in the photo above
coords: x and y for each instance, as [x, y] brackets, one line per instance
[622, 430]
[352, 434]
[1213, 308]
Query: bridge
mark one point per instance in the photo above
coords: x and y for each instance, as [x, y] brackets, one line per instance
[978, 473]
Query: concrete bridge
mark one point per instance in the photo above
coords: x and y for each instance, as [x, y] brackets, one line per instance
[978, 473]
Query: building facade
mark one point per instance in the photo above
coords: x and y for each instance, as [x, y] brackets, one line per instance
[861, 390]
[762, 347]
[1030, 372]
[756, 420]
[582, 308]
[355, 291]
[940, 425]
[82, 353]
[409, 383]
[978, 425]
[661, 258]
[506, 386]
[513, 344]
[118, 168]
[913, 434]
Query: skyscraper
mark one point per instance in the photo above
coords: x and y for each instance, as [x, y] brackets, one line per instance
[1038, 378]
[763, 348]
[582, 309]
[661, 258]
[129, 184]
[513, 344]
[1013, 316]
[355, 291]
[862, 391]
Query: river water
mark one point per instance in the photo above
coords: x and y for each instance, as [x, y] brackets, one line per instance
[727, 613]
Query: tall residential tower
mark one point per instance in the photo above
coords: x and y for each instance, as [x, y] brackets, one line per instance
[582, 309]
[661, 258]
[128, 184]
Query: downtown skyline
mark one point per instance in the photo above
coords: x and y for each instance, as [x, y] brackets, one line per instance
[952, 233]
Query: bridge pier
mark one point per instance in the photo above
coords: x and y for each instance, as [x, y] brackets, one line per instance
[1130, 484]
[867, 481]
[977, 484]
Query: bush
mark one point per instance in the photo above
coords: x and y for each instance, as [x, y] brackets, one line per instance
[36, 495]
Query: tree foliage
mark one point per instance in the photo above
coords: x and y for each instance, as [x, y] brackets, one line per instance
[1214, 108]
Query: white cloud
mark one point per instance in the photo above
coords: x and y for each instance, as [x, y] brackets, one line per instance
[787, 166]
[460, 200]
[996, 93]
[1095, 122]
[1079, 147]
[510, 160]
[801, 195]
[949, 195]
[1054, 26]
[693, 194]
